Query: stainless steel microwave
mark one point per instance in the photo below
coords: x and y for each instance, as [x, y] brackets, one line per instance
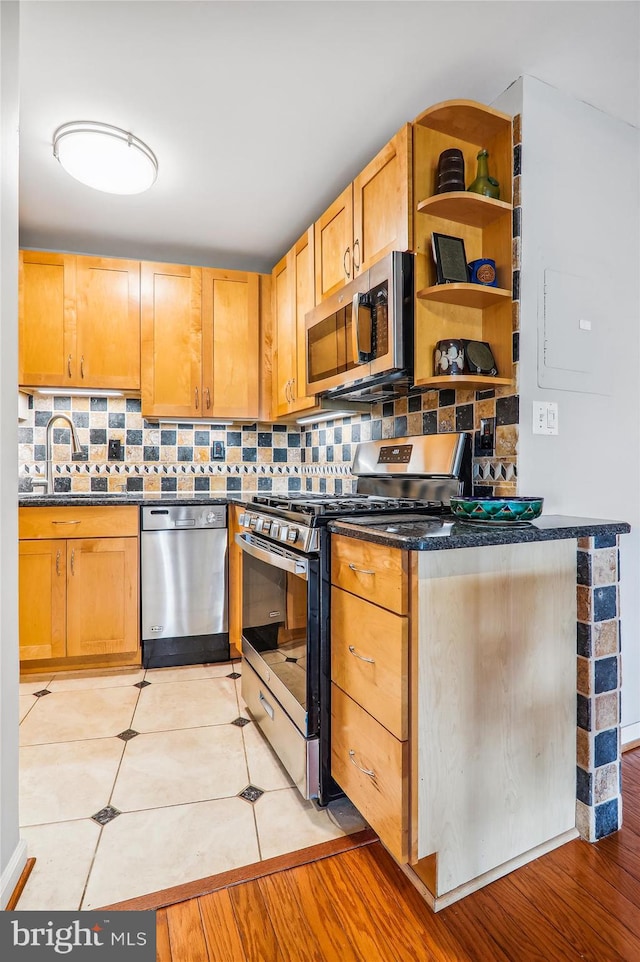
[359, 342]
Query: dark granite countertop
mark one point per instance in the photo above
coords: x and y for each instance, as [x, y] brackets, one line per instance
[424, 533]
[95, 498]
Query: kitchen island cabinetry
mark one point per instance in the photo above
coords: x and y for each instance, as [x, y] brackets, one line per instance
[200, 342]
[78, 587]
[79, 321]
[371, 217]
[487, 780]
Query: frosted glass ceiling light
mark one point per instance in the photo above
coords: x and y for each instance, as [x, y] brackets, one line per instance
[105, 157]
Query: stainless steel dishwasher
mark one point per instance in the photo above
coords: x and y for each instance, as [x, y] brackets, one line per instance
[184, 585]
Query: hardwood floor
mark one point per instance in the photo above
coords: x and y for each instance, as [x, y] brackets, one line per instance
[581, 901]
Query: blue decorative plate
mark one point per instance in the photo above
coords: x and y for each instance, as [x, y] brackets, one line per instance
[497, 510]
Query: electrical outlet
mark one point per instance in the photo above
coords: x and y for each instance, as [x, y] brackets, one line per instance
[487, 436]
[218, 451]
[115, 450]
[545, 417]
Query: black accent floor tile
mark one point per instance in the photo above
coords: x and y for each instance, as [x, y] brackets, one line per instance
[251, 793]
[127, 735]
[234, 674]
[43, 691]
[294, 660]
[141, 684]
[106, 815]
[241, 722]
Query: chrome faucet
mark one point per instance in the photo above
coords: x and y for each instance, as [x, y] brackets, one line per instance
[75, 446]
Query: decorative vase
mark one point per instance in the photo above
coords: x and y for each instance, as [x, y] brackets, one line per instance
[484, 184]
[448, 357]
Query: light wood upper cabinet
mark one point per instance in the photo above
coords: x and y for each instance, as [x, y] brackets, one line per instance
[230, 344]
[293, 295]
[372, 217]
[79, 321]
[108, 322]
[171, 316]
[47, 318]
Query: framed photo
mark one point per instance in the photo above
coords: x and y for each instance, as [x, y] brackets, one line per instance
[450, 258]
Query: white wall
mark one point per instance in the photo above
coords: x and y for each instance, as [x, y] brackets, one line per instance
[581, 215]
[12, 850]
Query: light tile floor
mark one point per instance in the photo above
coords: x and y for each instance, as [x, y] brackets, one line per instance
[159, 748]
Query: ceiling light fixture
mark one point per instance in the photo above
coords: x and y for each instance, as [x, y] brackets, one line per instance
[104, 157]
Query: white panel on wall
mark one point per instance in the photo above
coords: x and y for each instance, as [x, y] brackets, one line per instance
[575, 350]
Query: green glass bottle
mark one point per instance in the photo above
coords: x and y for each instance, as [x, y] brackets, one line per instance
[483, 184]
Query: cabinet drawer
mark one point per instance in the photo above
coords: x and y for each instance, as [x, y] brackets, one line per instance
[381, 792]
[369, 658]
[372, 571]
[85, 521]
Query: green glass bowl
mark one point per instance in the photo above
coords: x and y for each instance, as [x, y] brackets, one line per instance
[497, 510]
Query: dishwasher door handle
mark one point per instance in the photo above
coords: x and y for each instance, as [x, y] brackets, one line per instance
[185, 523]
[286, 562]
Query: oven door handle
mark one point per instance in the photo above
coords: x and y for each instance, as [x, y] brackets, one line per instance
[295, 566]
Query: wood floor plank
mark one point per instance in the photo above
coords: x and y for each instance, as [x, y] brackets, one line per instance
[519, 928]
[360, 925]
[186, 936]
[295, 938]
[387, 889]
[257, 934]
[581, 919]
[163, 945]
[623, 847]
[317, 904]
[220, 928]
[598, 874]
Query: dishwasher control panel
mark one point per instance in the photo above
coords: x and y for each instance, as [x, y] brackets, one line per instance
[183, 516]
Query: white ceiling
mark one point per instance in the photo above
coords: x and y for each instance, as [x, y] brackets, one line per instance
[261, 112]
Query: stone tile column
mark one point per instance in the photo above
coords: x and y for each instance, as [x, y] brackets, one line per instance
[598, 781]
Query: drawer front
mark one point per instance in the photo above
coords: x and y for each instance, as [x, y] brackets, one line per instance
[85, 521]
[371, 766]
[369, 658]
[372, 571]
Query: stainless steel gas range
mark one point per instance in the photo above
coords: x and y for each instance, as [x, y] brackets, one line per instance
[286, 645]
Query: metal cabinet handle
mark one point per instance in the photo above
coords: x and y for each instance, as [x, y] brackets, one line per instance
[82, 366]
[362, 571]
[365, 771]
[69, 366]
[208, 397]
[197, 400]
[73, 561]
[267, 707]
[293, 389]
[356, 266]
[370, 661]
[65, 522]
[347, 270]
[58, 563]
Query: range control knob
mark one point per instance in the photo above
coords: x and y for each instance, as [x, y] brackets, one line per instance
[242, 519]
[293, 535]
[275, 530]
[266, 525]
[253, 521]
[284, 531]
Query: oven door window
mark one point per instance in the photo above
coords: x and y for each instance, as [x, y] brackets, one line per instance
[275, 604]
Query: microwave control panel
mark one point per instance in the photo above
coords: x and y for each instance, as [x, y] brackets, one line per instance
[395, 454]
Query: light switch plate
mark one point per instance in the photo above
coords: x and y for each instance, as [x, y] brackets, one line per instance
[545, 417]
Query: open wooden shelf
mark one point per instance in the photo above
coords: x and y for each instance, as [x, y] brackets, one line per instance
[464, 119]
[465, 295]
[463, 207]
[478, 381]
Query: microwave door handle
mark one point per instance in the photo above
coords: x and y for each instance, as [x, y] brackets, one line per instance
[355, 330]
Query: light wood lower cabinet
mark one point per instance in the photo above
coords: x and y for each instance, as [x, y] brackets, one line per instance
[78, 596]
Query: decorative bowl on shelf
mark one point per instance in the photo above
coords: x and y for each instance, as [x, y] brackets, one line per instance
[496, 510]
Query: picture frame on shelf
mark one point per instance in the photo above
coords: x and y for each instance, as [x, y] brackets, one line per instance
[450, 259]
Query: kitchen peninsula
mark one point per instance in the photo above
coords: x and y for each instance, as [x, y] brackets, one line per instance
[479, 646]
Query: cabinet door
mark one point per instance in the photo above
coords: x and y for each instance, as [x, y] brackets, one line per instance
[304, 301]
[47, 319]
[285, 334]
[333, 255]
[171, 355]
[102, 596]
[382, 203]
[231, 344]
[42, 577]
[108, 322]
